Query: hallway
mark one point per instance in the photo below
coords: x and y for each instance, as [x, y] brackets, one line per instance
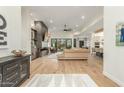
[93, 68]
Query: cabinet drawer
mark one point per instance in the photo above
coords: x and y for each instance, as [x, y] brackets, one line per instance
[0, 70]
[0, 76]
[10, 67]
[11, 75]
[12, 83]
[0, 80]
[11, 78]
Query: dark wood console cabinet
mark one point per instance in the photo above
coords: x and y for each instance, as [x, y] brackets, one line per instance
[14, 70]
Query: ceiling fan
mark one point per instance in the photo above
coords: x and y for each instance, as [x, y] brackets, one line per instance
[66, 28]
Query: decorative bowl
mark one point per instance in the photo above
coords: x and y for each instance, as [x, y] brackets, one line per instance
[18, 53]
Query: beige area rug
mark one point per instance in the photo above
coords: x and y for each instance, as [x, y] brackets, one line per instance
[61, 80]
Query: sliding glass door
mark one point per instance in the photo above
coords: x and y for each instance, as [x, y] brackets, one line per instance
[68, 43]
[54, 44]
[61, 43]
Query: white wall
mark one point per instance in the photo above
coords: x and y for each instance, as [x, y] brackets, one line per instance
[28, 18]
[113, 55]
[13, 18]
[26, 30]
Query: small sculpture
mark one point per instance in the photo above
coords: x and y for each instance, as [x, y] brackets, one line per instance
[18, 53]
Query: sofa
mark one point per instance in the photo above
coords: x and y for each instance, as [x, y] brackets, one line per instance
[75, 53]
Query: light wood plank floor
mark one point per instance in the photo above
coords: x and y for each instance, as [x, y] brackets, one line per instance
[92, 67]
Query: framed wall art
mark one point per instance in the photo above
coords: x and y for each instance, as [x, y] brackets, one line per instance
[120, 34]
[3, 32]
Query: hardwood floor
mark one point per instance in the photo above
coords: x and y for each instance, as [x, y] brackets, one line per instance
[92, 67]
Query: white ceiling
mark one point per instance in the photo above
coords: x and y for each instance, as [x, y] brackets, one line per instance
[70, 15]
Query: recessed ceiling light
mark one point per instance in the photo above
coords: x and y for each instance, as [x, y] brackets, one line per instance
[51, 21]
[35, 19]
[31, 14]
[82, 17]
[77, 25]
[76, 33]
[54, 28]
[32, 25]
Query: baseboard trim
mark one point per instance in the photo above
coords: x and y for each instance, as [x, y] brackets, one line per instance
[121, 84]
